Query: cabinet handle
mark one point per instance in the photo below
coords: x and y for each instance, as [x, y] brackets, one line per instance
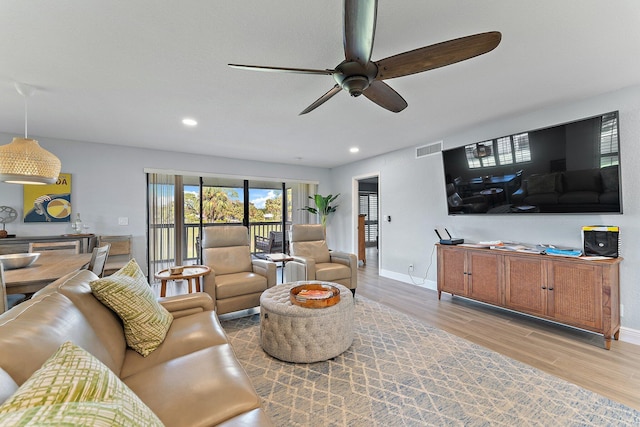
[544, 287]
[550, 289]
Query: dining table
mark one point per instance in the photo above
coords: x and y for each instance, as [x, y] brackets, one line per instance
[49, 267]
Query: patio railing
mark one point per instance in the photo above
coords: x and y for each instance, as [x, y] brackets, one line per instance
[191, 237]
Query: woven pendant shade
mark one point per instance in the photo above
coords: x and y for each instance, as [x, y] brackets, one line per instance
[23, 161]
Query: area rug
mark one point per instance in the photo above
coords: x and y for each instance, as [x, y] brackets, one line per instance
[402, 372]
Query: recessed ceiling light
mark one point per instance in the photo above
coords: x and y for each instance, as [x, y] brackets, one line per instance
[189, 122]
[354, 149]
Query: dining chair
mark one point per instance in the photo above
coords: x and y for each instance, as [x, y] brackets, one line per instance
[99, 259]
[69, 247]
[7, 301]
[120, 252]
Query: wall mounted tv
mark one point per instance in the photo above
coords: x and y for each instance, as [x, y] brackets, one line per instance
[568, 168]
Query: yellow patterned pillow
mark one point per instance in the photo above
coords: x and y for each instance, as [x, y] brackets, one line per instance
[73, 388]
[128, 293]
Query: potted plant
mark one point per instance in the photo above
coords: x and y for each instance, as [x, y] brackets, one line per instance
[323, 207]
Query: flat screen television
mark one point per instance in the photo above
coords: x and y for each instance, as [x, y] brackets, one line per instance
[567, 168]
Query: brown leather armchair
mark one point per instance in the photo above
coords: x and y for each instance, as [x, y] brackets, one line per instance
[314, 261]
[236, 281]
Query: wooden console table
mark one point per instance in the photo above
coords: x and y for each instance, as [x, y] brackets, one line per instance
[20, 244]
[573, 291]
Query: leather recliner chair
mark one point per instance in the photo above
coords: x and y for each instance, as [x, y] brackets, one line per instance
[312, 259]
[236, 281]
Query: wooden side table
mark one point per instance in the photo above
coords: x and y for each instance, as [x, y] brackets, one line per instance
[191, 273]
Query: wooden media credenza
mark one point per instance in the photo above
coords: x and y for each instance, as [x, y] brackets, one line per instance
[572, 291]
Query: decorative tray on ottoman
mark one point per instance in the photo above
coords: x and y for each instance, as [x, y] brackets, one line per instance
[314, 295]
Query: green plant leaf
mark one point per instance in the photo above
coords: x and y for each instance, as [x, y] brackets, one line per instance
[323, 206]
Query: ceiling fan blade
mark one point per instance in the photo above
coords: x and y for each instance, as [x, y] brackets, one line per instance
[281, 69]
[382, 94]
[324, 98]
[437, 55]
[359, 29]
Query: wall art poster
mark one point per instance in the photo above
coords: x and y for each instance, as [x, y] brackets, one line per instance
[50, 202]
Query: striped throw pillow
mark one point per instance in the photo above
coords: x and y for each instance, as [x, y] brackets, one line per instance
[73, 388]
[128, 293]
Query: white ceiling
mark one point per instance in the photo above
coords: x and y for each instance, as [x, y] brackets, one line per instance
[127, 72]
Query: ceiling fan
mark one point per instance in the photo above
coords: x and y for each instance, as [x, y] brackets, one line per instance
[358, 75]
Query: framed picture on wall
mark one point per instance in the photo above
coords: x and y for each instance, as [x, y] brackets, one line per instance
[48, 203]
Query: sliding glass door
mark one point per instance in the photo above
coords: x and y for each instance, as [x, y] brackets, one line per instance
[180, 206]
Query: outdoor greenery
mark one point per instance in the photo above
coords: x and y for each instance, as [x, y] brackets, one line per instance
[222, 204]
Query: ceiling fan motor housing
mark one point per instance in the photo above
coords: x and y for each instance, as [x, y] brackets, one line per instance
[354, 77]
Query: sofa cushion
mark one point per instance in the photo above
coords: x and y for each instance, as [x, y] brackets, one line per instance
[540, 184]
[186, 335]
[579, 197]
[582, 180]
[317, 249]
[610, 198]
[542, 199]
[128, 293]
[609, 177]
[74, 388]
[32, 331]
[332, 271]
[228, 259]
[106, 324]
[232, 285]
[203, 388]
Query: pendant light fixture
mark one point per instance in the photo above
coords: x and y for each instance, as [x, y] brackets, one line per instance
[23, 161]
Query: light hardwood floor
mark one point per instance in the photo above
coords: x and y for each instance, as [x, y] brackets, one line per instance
[574, 355]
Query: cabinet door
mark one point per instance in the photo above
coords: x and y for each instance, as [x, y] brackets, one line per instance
[452, 271]
[575, 294]
[483, 275]
[525, 285]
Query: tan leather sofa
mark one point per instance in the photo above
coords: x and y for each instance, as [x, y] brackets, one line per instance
[192, 379]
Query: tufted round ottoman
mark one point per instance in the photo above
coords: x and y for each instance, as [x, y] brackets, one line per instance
[304, 335]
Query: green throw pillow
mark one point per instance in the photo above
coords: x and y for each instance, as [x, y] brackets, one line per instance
[73, 388]
[128, 293]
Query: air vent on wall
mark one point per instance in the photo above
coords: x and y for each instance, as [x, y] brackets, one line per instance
[429, 149]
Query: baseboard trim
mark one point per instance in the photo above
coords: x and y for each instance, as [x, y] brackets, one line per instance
[405, 278]
[629, 335]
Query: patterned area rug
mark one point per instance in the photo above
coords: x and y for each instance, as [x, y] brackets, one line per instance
[402, 372]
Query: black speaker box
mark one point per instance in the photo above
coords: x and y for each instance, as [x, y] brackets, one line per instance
[601, 240]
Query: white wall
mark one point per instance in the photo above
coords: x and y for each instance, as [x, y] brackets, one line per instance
[412, 191]
[108, 182]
